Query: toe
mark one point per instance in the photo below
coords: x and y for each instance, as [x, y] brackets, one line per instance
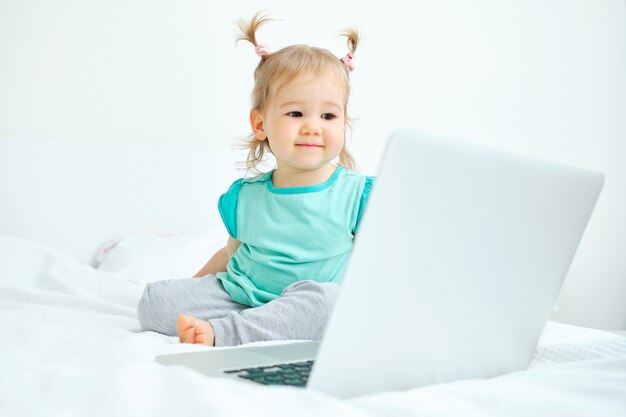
[185, 329]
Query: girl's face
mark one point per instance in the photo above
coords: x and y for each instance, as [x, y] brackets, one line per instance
[305, 126]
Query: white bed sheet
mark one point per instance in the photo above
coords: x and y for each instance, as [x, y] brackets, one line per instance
[71, 345]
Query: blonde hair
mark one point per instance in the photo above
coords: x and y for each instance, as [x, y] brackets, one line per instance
[283, 66]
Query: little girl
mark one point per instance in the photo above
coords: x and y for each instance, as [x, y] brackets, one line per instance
[291, 229]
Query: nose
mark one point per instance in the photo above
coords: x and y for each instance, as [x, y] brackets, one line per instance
[310, 128]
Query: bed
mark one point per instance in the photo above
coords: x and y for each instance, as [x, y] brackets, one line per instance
[84, 226]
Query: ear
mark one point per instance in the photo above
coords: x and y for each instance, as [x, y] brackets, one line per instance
[258, 125]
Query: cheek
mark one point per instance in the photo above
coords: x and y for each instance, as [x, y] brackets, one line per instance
[339, 140]
[282, 125]
[340, 133]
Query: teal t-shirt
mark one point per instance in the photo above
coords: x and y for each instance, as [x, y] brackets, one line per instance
[289, 234]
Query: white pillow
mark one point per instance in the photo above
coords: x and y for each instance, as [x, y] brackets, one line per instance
[147, 257]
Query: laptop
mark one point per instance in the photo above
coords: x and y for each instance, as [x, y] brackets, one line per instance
[457, 266]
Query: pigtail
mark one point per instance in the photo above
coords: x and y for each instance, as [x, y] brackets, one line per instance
[352, 39]
[248, 32]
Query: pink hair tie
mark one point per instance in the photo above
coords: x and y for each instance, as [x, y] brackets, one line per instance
[262, 50]
[347, 61]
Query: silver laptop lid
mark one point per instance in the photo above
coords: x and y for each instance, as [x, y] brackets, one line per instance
[459, 260]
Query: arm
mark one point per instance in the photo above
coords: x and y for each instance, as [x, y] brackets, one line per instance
[220, 259]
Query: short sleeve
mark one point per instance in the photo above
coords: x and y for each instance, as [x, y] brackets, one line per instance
[369, 181]
[227, 206]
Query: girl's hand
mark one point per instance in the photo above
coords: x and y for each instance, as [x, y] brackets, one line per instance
[219, 260]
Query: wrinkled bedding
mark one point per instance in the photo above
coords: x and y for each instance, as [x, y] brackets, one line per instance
[71, 344]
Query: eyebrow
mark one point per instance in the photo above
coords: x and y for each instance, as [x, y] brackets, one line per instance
[326, 103]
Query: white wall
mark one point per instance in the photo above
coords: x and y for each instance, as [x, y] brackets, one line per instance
[541, 77]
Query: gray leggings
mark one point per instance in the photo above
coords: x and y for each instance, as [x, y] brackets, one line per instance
[300, 312]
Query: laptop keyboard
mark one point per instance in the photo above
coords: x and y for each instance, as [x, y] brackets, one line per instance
[294, 373]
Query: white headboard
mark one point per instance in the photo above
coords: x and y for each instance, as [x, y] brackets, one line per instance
[73, 195]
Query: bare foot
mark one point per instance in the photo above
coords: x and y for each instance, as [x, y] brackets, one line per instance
[196, 331]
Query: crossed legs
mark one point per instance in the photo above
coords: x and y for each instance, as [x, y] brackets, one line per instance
[199, 310]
